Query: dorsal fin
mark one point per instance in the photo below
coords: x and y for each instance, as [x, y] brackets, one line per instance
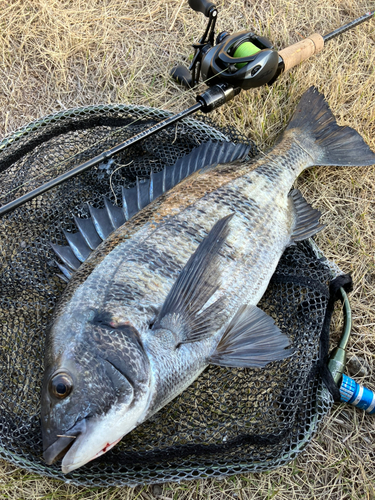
[87, 229]
[103, 221]
[78, 245]
[116, 214]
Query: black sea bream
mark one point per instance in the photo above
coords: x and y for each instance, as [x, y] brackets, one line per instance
[175, 288]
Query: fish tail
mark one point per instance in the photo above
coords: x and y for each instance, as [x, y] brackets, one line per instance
[328, 144]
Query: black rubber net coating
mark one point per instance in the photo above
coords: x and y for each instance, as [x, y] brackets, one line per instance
[229, 420]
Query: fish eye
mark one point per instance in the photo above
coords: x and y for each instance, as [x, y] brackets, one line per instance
[61, 385]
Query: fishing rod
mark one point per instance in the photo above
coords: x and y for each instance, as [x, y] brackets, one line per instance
[228, 65]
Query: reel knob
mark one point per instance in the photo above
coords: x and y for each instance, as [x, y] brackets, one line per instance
[202, 6]
[182, 76]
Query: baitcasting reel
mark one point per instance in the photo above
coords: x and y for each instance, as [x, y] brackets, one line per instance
[243, 60]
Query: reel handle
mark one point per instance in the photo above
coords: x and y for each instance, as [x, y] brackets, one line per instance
[202, 6]
[300, 51]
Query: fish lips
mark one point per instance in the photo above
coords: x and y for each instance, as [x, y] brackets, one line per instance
[71, 448]
[59, 448]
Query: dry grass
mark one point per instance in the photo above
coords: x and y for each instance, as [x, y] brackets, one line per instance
[56, 54]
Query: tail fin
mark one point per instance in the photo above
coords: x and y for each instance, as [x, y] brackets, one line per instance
[328, 143]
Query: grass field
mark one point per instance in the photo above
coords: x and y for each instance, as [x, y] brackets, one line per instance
[58, 54]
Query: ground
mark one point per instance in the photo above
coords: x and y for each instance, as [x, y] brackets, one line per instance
[58, 54]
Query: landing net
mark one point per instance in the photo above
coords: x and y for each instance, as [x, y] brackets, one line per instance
[230, 420]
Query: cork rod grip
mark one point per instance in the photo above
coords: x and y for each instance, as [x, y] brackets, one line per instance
[301, 51]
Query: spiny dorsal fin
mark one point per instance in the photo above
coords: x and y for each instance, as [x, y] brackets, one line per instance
[87, 229]
[251, 340]
[307, 223]
[67, 256]
[103, 221]
[78, 245]
[116, 214]
[143, 193]
[198, 281]
[66, 273]
[207, 155]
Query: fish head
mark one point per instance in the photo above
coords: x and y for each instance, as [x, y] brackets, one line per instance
[95, 390]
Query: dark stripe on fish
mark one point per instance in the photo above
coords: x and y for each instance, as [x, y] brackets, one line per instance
[238, 202]
[193, 229]
[158, 262]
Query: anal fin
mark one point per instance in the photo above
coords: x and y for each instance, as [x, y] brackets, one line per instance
[252, 339]
[307, 218]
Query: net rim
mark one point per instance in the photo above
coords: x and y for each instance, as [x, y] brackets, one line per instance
[324, 398]
[34, 125]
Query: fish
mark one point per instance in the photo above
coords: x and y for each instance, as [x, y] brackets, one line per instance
[176, 286]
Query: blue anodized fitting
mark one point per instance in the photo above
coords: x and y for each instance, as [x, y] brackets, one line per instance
[357, 395]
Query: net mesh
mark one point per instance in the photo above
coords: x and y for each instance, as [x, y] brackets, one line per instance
[229, 420]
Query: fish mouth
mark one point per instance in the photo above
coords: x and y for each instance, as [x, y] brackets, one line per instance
[77, 446]
[64, 442]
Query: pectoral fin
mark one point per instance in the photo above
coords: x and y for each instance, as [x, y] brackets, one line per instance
[183, 312]
[251, 340]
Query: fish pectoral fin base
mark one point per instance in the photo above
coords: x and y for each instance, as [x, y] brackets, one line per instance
[251, 340]
[307, 218]
[183, 311]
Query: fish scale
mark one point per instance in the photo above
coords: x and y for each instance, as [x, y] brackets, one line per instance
[175, 288]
